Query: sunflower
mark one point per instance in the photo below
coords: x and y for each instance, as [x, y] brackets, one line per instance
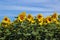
[32, 20]
[29, 17]
[54, 16]
[22, 16]
[24, 13]
[48, 19]
[41, 22]
[44, 21]
[56, 22]
[6, 20]
[39, 17]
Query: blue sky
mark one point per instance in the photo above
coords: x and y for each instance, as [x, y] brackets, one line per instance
[12, 8]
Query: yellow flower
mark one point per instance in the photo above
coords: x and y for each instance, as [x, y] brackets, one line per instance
[44, 21]
[24, 13]
[32, 20]
[22, 16]
[6, 20]
[48, 19]
[56, 22]
[54, 16]
[41, 22]
[29, 17]
[39, 17]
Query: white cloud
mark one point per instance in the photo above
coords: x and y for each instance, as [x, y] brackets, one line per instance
[8, 14]
[2, 7]
[56, 7]
[35, 1]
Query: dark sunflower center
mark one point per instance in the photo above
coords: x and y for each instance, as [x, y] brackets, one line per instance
[29, 16]
[49, 19]
[5, 19]
[39, 16]
[21, 17]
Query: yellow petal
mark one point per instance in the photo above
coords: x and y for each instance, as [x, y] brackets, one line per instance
[41, 23]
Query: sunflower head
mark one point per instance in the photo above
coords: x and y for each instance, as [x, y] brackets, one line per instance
[54, 16]
[39, 17]
[22, 16]
[6, 20]
[29, 17]
[48, 19]
[57, 22]
[44, 21]
[41, 23]
[32, 20]
[23, 13]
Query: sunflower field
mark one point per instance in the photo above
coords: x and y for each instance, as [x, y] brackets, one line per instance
[28, 27]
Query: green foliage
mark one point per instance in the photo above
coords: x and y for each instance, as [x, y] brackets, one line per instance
[25, 31]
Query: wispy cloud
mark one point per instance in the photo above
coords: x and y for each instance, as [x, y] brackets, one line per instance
[7, 14]
[2, 7]
[31, 5]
